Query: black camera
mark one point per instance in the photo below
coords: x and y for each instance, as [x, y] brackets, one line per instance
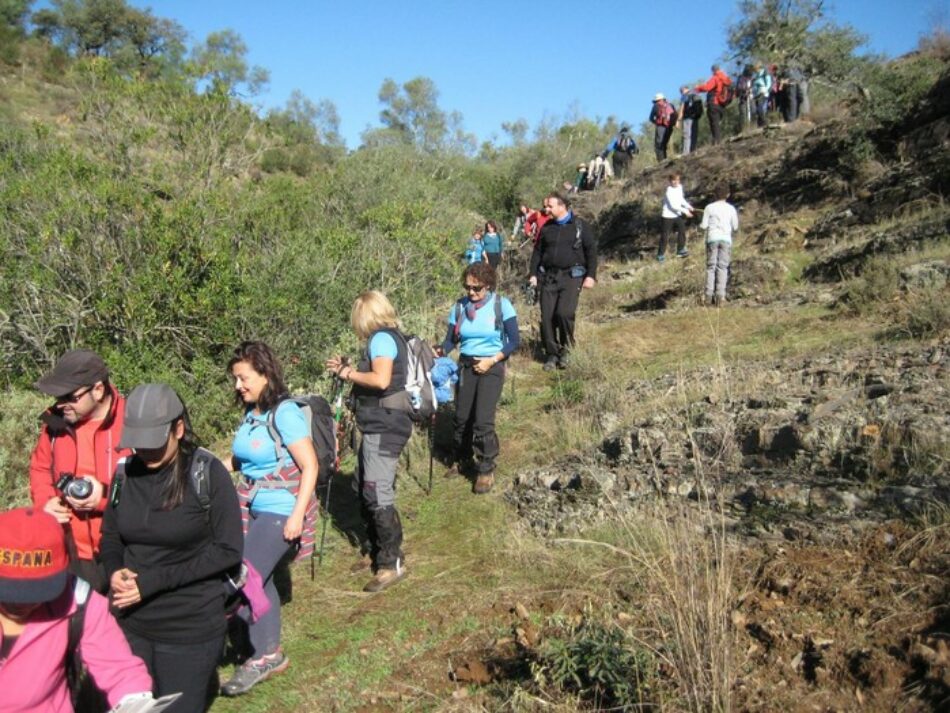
[73, 487]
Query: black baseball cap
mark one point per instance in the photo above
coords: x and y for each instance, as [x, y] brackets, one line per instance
[73, 370]
[149, 412]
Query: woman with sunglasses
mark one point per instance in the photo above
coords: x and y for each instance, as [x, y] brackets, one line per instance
[485, 327]
[166, 551]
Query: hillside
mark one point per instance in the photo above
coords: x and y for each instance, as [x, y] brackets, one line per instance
[735, 508]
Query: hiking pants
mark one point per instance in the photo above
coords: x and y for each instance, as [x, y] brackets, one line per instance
[376, 484]
[790, 103]
[620, 161]
[494, 259]
[745, 112]
[718, 256]
[661, 139]
[689, 138]
[715, 121]
[559, 295]
[668, 224]
[265, 547]
[761, 110]
[475, 404]
[189, 669]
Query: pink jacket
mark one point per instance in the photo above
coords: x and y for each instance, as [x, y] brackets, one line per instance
[33, 678]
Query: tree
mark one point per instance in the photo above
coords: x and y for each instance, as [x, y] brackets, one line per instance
[411, 113]
[13, 13]
[221, 60]
[794, 32]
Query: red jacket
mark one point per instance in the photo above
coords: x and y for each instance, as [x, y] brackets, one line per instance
[533, 224]
[55, 454]
[715, 84]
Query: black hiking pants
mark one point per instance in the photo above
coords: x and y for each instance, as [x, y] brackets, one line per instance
[475, 404]
[661, 139]
[559, 295]
[715, 121]
[620, 161]
[668, 224]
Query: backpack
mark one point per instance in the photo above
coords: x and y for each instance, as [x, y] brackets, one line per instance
[694, 108]
[77, 678]
[626, 144]
[727, 93]
[744, 87]
[322, 427]
[419, 386]
[663, 114]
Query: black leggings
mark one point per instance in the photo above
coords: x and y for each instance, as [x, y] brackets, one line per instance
[189, 669]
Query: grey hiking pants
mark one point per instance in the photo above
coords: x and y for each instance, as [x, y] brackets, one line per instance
[718, 256]
[375, 483]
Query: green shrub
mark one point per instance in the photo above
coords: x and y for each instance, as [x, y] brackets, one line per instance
[19, 429]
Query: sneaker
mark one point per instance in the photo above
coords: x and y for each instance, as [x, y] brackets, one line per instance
[563, 361]
[660, 258]
[483, 483]
[253, 671]
[550, 364]
[385, 578]
[682, 253]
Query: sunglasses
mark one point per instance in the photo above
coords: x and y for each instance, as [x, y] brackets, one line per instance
[474, 288]
[73, 398]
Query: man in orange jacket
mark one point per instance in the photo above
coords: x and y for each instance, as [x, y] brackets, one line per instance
[72, 464]
[717, 89]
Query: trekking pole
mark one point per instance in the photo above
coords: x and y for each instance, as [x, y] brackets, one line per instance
[431, 440]
[337, 401]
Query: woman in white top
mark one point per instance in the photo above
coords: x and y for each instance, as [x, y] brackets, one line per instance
[675, 210]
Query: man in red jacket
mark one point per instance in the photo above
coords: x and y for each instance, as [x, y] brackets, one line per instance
[72, 465]
[717, 96]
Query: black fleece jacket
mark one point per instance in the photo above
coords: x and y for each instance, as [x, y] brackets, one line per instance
[179, 555]
[556, 247]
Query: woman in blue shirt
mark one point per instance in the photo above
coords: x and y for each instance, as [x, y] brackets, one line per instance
[382, 415]
[277, 494]
[493, 243]
[485, 327]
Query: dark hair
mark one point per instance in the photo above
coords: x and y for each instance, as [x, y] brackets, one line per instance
[483, 272]
[262, 360]
[491, 226]
[722, 191]
[559, 197]
[675, 175]
[176, 485]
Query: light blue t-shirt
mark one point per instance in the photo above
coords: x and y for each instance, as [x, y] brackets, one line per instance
[492, 243]
[382, 345]
[481, 337]
[474, 252]
[255, 453]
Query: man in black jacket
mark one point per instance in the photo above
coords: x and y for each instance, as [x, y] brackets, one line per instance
[564, 261]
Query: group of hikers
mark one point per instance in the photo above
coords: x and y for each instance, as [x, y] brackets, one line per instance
[140, 554]
[758, 90]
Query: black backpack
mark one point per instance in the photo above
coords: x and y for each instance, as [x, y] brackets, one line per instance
[322, 427]
[626, 144]
[694, 108]
[83, 693]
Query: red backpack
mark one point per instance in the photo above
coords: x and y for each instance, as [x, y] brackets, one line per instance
[664, 113]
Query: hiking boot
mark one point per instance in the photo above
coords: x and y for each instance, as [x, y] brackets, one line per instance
[385, 578]
[682, 253]
[253, 671]
[483, 483]
[460, 468]
[719, 300]
[550, 364]
[563, 361]
[660, 258]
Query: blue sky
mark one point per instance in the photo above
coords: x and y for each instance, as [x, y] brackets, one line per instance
[497, 61]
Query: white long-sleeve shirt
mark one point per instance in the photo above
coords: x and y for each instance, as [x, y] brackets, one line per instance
[674, 202]
[720, 221]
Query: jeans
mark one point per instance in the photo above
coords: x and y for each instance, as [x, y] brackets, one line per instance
[718, 256]
[761, 110]
[189, 669]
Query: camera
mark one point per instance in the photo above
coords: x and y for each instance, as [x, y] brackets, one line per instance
[73, 487]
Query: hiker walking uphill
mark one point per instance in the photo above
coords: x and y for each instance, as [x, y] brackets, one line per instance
[485, 327]
[166, 553]
[77, 452]
[274, 452]
[624, 148]
[675, 211]
[718, 90]
[382, 408]
[663, 117]
[51, 621]
[761, 91]
[564, 262]
[690, 112]
[720, 221]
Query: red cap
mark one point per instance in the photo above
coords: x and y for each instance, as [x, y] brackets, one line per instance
[32, 557]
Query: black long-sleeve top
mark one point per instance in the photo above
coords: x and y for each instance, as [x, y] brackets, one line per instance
[556, 247]
[179, 555]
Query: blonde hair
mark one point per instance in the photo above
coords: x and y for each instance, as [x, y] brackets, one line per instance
[371, 312]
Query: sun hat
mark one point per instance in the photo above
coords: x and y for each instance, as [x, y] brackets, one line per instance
[659, 96]
[32, 557]
[149, 412]
[74, 369]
